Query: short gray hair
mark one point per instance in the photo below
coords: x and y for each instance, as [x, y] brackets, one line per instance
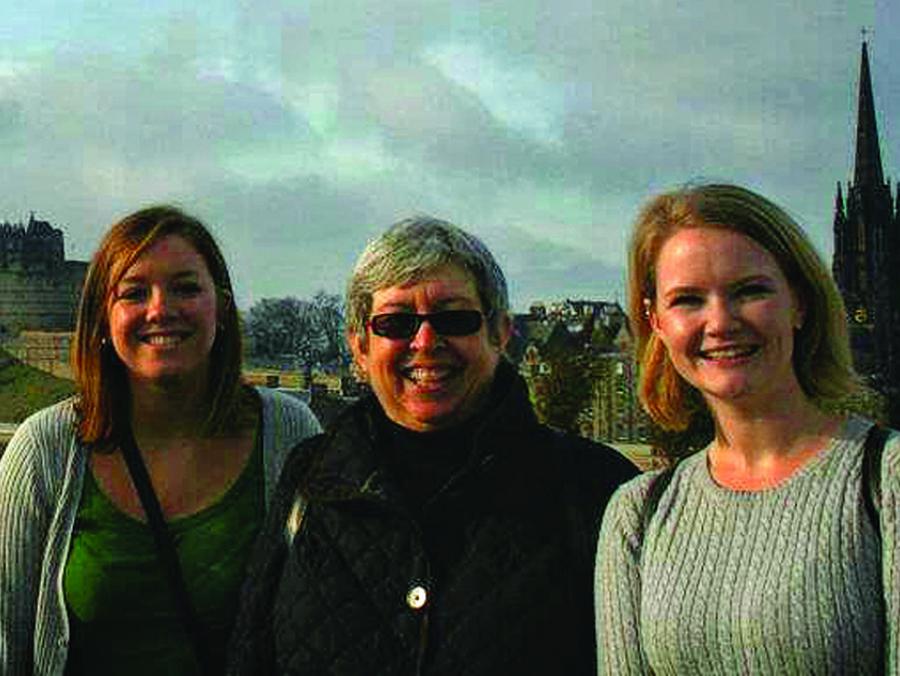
[409, 250]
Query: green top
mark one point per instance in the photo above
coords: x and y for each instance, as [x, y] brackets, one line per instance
[122, 614]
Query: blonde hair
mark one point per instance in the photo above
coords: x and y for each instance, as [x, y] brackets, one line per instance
[821, 359]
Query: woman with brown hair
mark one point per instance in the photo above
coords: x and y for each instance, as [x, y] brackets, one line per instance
[773, 549]
[162, 430]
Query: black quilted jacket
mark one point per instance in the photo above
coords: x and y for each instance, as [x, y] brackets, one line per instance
[495, 576]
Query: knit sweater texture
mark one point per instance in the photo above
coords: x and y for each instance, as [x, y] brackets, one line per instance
[41, 478]
[780, 581]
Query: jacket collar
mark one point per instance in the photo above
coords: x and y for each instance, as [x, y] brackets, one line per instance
[348, 464]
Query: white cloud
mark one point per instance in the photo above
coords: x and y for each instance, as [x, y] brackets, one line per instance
[11, 70]
[316, 124]
[319, 102]
[516, 95]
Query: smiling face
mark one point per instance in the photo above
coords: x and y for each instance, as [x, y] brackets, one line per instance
[162, 313]
[726, 315]
[429, 382]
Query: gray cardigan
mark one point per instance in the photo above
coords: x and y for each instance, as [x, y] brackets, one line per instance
[41, 476]
[786, 580]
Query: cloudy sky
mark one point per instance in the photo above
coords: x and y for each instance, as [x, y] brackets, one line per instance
[298, 130]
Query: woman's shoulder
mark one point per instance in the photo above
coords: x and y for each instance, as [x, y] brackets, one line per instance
[39, 447]
[288, 408]
[632, 496]
[623, 519]
[287, 421]
[892, 442]
[273, 397]
[287, 416]
[53, 422]
[855, 434]
[890, 462]
[628, 500]
[861, 459]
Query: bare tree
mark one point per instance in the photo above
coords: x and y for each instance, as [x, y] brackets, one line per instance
[295, 332]
[328, 318]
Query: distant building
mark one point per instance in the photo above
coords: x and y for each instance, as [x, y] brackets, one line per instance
[39, 288]
[596, 334]
[866, 254]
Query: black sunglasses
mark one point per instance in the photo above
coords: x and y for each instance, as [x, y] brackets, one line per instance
[405, 325]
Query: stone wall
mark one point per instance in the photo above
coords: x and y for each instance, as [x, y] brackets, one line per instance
[39, 289]
[42, 301]
[48, 351]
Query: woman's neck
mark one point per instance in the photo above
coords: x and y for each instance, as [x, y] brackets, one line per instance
[170, 410]
[760, 446]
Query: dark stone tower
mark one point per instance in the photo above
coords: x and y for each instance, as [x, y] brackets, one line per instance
[867, 255]
[39, 288]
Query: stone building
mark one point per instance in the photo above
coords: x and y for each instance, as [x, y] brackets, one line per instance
[866, 249]
[39, 288]
[592, 337]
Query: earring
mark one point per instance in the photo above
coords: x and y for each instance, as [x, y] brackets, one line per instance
[358, 373]
[104, 341]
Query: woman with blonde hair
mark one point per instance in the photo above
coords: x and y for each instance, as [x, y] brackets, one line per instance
[127, 512]
[773, 549]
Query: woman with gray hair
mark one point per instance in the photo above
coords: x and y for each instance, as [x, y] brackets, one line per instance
[436, 527]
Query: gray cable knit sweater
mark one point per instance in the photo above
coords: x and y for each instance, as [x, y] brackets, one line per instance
[780, 581]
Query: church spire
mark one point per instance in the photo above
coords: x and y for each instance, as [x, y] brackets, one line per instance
[866, 250]
[868, 171]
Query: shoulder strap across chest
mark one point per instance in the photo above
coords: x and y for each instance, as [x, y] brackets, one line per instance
[873, 449]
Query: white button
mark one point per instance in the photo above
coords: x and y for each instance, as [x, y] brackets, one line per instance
[416, 597]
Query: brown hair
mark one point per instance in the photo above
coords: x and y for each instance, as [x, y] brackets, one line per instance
[99, 374]
[821, 358]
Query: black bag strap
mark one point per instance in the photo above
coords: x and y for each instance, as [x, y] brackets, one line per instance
[873, 449]
[165, 548]
[870, 477]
